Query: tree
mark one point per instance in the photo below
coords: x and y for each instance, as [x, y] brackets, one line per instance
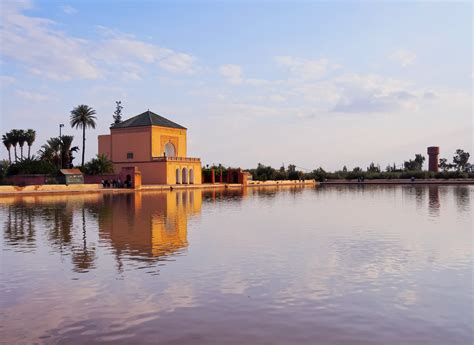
[117, 113]
[373, 168]
[67, 150]
[21, 140]
[6, 139]
[58, 151]
[460, 160]
[30, 139]
[416, 164]
[99, 165]
[83, 116]
[14, 137]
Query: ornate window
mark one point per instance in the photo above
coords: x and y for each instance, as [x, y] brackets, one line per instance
[170, 150]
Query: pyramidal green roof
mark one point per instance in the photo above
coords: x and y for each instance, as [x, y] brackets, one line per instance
[148, 118]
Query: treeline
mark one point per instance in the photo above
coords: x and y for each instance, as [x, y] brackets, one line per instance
[57, 153]
[412, 168]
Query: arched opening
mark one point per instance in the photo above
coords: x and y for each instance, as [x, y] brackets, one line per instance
[170, 150]
[191, 176]
[177, 176]
[185, 176]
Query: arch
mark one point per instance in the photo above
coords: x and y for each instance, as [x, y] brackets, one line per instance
[191, 176]
[185, 176]
[170, 150]
[178, 176]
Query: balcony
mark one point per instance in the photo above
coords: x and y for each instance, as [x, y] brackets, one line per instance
[176, 159]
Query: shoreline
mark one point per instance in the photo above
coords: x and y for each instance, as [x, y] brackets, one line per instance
[97, 188]
[10, 190]
[400, 182]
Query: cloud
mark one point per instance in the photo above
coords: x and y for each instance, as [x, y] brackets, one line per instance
[43, 50]
[304, 68]
[403, 57]
[69, 9]
[372, 93]
[32, 96]
[232, 73]
[7, 80]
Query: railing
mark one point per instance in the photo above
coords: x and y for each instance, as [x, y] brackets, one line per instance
[176, 159]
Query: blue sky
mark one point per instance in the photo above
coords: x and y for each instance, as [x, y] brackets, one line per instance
[309, 83]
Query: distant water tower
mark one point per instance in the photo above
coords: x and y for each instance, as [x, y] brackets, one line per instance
[433, 153]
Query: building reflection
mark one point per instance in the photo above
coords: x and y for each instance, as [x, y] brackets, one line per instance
[143, 226]
[147, 226]
[433, 200]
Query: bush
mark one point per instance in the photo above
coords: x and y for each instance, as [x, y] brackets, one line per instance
[31, 167]
[98, 166]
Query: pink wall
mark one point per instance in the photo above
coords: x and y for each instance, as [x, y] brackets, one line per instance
[26, 180]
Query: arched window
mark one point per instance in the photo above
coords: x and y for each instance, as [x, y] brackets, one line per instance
[185, 176]
[177, 176]
[170, 150]
[191, 176]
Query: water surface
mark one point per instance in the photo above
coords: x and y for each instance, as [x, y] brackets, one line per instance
[328, 265]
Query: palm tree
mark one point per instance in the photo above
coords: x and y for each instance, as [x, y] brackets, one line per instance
[82, 116]
[30, 139]
[51, 151]
[58, 151]
[6, 139]
[67, 150]
[21, 140]
[14, 137]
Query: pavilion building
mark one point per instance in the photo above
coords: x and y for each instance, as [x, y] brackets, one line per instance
[153, 144]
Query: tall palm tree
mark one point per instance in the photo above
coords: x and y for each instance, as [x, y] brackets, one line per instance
[21, 140]
[14, 137]
[6, 139]
[82, 116]
[30, 139]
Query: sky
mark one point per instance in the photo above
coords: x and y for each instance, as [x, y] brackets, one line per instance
[315, 84]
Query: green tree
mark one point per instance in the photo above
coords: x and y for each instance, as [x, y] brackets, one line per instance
[30, 139]
[14, 138]
[83, 117]
[99, 165]
[21, 141]
[416, 164]
[117, 113]
[461, 159]
[372, 168]
[6, 139]
[58, 151]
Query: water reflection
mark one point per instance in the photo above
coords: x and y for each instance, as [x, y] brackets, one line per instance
[332, 265]
[146, 226]
[138, 226]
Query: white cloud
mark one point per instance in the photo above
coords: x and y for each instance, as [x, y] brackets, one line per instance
[232, 73]
[48, 52]
[32, 96]
[372, 93]
[69, 9]
[43, 50]
[304, 68]
[6, 80]
[403, 57]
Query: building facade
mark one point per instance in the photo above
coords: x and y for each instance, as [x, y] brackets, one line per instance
[156, 146]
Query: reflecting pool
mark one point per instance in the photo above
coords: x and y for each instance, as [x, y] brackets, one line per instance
[325, 265]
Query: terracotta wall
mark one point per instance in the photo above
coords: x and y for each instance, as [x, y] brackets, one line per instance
[136, 140]
[105, 145]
